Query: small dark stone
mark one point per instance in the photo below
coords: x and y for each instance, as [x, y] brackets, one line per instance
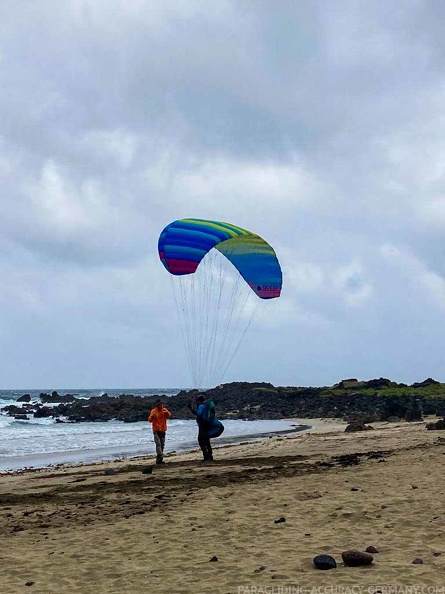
[418, 561]
[29, 583]
[147, 470]
[214, 558]
[109, 471]
[354, 489]
[355, 558]
[324, 562]
[280, 520]
[371, 549]
[260, 569]
[414, 487]
[437, 554]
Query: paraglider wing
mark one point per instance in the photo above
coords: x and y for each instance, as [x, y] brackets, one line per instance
[184, 243]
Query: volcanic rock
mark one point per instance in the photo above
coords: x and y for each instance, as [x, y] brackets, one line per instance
[324, 562]
[428, 382]
[356, 558]
[357, 427]
[438, 425]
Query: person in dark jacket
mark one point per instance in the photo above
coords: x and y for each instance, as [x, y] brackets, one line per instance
[204, 412]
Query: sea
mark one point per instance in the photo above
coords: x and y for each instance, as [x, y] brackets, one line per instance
[42, 442]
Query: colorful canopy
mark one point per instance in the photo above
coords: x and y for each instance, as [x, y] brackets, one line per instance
[184, 243]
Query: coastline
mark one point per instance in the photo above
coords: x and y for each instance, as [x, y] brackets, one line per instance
[129, 452]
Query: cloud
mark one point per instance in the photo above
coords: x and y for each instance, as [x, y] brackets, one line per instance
[317, 125]
[417, 276]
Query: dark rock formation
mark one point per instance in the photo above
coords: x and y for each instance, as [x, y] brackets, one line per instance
[382, 382]
[55, 397]
[43, 412]
[438, 425]
[357, 427]
[24, 398]
[355, 558]
[428, 382]
[360, 402]
[324, 562]
[12, 410]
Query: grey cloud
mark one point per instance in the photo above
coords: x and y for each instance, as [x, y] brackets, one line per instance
[318, 125]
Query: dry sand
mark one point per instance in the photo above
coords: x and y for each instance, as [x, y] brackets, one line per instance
[76, 529]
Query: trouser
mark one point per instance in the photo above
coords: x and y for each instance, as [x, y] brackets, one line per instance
[159, 437]
[204, 443]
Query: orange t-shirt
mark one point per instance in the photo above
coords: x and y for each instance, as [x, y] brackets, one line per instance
[158, 418]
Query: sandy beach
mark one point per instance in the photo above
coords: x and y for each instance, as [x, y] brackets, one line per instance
[107, 527]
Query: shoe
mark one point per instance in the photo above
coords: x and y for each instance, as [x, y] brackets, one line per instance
[160, 462]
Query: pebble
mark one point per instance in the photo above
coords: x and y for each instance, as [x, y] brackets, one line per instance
[147, 470]
[280, 520]
[371, 549]
[418, 561]
[354, 558]
[324, 562]
[260, 569]
[214, 558]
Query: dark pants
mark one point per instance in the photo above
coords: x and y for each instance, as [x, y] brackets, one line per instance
[159, 437]
[204, 443]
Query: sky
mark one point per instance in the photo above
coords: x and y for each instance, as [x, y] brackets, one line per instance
[318, 125]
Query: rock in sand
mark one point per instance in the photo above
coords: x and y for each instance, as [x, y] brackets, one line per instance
[324, 562]
[356, 558]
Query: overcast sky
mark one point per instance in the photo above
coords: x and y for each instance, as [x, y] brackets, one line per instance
[319, 125]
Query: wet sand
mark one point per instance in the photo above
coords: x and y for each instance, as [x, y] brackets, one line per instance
[78, 529]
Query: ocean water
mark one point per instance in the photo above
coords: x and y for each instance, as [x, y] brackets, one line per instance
[43, 442]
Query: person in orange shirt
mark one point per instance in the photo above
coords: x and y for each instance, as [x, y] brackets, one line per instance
[158, 418]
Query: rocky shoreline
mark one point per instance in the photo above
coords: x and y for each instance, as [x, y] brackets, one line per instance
[350, 400]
